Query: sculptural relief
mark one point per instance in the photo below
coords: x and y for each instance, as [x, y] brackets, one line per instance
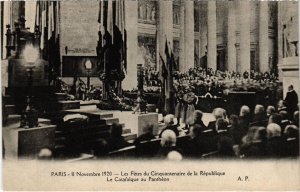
[290, 34]
[147, 51]
[147, 11]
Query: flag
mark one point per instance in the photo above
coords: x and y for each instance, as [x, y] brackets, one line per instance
[50, 20]
[164, 70]
[37, 14]
[109, 24]
[174, 61]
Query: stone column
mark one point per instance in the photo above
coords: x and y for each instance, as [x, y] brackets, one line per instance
[131, 22]
[182, 38]
[231, 37]
[212, 35]
[263, 37]
[189, 36]
[165, 33]
[6, 20]
[30, 9]
[244, 36]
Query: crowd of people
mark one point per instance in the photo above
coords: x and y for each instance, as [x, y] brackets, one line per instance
[201, 81]
[266, 133]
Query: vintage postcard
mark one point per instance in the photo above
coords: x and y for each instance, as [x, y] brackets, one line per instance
[150, 95]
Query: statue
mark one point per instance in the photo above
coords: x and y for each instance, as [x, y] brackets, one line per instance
[153, 13]
[290, 38]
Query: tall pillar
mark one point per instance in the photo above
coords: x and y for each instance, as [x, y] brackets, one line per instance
[182, 38]
[6, 20]
[231, 37]
[212, 35]
[244, 36]
[30, 7]
[189, 34]
[131, 22]
[263, 37]
[165, 33]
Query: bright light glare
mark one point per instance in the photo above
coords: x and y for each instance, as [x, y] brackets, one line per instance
[31, 54]
[88, 64]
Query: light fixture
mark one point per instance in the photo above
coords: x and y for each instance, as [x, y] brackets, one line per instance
[88, 64]
[30, 54]
[29, 117]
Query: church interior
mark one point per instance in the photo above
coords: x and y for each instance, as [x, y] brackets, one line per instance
[175, 80]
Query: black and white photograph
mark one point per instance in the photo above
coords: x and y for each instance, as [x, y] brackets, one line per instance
[150, 95]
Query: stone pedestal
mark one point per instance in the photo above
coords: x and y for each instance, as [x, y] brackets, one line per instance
[290, 74]
[26, 143]
[139, 121]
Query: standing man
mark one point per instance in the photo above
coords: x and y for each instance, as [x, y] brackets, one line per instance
[291, 100]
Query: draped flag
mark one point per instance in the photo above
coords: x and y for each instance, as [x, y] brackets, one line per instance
[167, 68]
[111, 20]
[47, 20]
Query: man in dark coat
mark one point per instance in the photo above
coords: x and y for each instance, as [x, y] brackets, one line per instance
[291, 100]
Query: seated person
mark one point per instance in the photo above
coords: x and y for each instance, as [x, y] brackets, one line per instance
[253, 144]
[44, 154]
[100, 148]
[198, 119]
[275, 118]
[168, 144]
[284, 120]
[116, 140]
[296, 118]
[219, 113]
[275, 144]
[225, 148]
[147, 135]
[291, 138]
[221, 126]
[260, 118]
[244, 118]
[235, 131]
[194, 146]
[281, 106]
[169, 125]
[270, 110]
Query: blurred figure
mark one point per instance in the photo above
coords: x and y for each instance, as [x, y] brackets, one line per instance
[291, 101]
[218, 114]
[194, 146]
[235, 130]
[281, 106]
[221, 126]
[291, 134]
[116, 140]
[147, 135]
[198, 119]
[225, 148]
[284, 120]
[275, 118]
[296, 118]
[270, 110]
[275, 144]
[169, 125]
[254, 143]
[259, 118]
[244, 118]
[168, 144]
[101, 148]
[174, 156]
[44, 154]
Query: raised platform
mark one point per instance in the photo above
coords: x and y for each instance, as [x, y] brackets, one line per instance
[26, 143]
